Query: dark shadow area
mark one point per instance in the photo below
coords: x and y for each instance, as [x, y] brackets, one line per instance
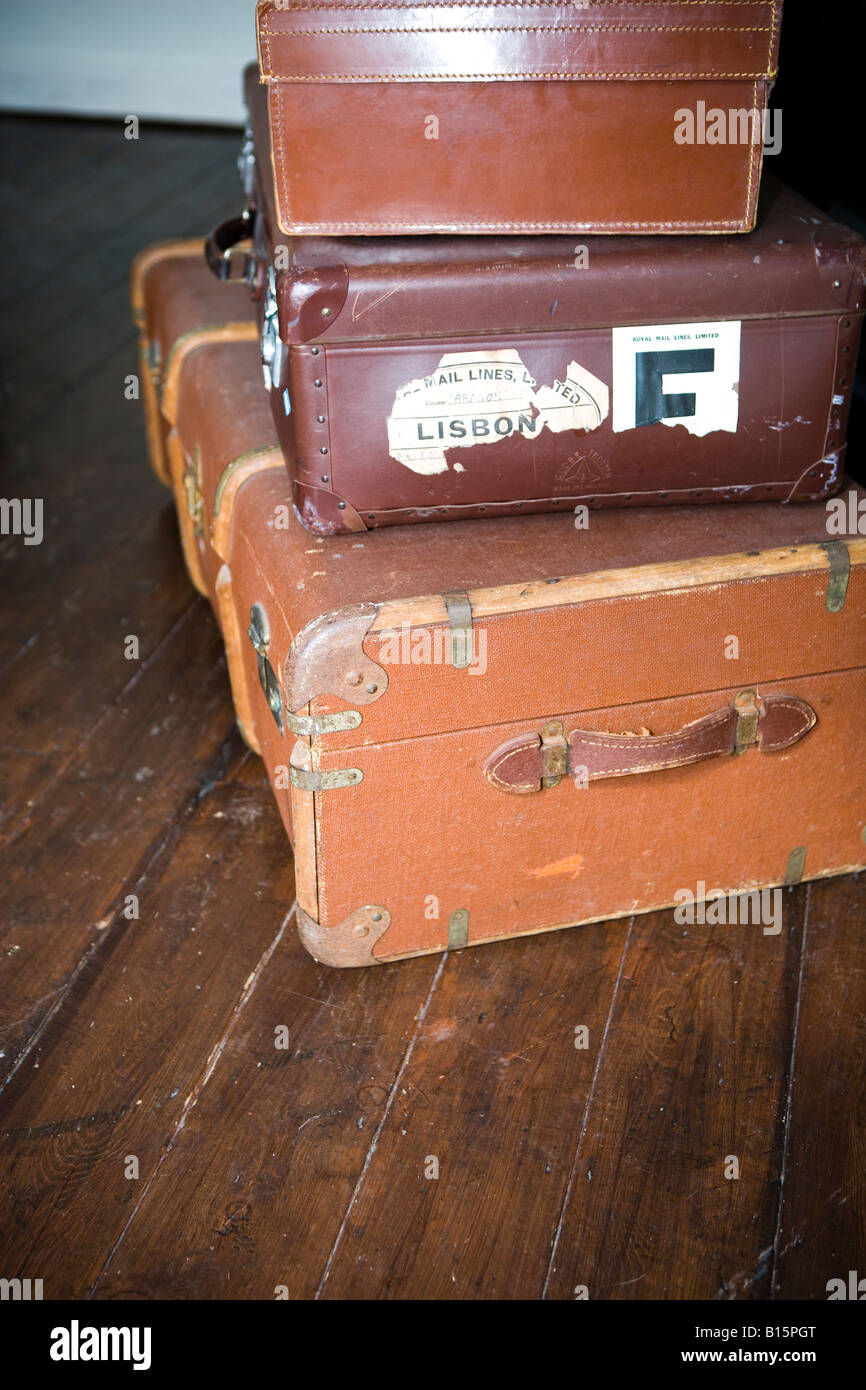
[820, 92]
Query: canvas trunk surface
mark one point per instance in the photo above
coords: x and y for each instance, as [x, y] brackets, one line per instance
[407, 816]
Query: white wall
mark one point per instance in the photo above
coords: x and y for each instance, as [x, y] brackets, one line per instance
[157, 59]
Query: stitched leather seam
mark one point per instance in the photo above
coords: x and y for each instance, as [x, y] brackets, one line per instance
[726, 224]
[515, 753]
[784, 743]
[501, 4]
[654, 741]
[280, 160]
[657, 767]
[528, 29]
[516, 74]
[316, 228]
[808, 722]
[752, 158]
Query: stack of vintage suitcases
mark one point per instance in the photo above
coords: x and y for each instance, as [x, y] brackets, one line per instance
[521, 312]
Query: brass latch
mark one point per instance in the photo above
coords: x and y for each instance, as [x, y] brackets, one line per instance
[746, 706]
[458, 929]
[459, 610]
[307, 781]
[796, 866]
[192, 488]
[314, 725]
[554, 753]
[260, 635]
[839, 561]
[154, 361]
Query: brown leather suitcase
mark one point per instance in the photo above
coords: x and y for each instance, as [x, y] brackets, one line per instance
[176, 307]
[443, 378]
[222, 438]
[479, 732]
[188, 354]
[517, 115]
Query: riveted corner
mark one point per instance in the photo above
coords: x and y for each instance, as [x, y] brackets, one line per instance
[328, 658]
[310, 300]
[350, 943]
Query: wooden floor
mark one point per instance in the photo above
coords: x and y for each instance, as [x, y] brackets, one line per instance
[155, 1142]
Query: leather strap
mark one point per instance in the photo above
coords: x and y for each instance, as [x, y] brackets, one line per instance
[771, 722]
[223, 241]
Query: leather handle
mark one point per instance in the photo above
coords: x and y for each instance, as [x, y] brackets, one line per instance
[536, 760]
[223, 242]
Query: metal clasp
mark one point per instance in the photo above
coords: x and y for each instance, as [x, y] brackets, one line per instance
[260, 636]
[273, 348]
[459, 610]
[247, 164]
[554, 753]
[192, 488]
[746, 705]
[839, 560]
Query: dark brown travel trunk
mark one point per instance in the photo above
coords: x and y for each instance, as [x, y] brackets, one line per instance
[443, 378]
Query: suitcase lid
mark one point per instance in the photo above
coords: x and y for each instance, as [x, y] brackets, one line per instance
[507, 40]
[573, 617]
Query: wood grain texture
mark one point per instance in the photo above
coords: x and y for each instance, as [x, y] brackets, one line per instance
[822, 1225]
[104, 815]
[477, 1150]
[254, 1193]
[121, 1058]
[302, 1168]
[703, 1028]
[647, 579]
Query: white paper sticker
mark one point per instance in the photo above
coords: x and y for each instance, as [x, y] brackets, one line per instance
[677, 374]
[483, 397]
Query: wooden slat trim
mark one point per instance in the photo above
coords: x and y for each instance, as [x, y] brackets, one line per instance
[606, 584]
